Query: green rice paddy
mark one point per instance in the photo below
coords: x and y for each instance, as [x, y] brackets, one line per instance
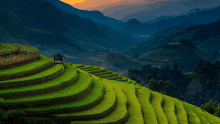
[107, 102]
[31, 66]
[37, 76]
[93, 99]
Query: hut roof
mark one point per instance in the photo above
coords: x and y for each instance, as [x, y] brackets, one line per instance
[55, 54]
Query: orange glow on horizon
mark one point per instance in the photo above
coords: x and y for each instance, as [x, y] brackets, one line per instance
[101, 5]
[71, 2]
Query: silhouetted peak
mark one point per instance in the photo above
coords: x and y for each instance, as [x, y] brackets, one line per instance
[97, 12]
[133, 22]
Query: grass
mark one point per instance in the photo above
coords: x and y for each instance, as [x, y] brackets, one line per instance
[94, 68]
[27, 67]
[103, 73]
[91, 97]
[134, 105]
[96, 71]
[66, 76]
[169, 110]
[156, 103]
[124, 79]
[41, 75]
[149, 113]
[106, 103]
[193, 117]
[180, 112]
[119, 112]
[76, 65]
[110, 75]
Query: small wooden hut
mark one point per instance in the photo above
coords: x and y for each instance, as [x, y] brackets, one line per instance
[58, 57]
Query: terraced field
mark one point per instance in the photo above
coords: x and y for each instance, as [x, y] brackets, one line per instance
[84, 94]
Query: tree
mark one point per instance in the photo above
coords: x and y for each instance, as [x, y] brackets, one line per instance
[148, 77]
[136, 55]
[160, 85]
[152, 84]
[133, 77]
[181, 98]
[129, 70]
[138, 81]
[209, 84]
[175, 67]
[209, 107]
[217, 111]
[196, 97]
[185, 42]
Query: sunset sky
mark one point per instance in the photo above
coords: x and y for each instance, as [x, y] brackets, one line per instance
[89, 4]
[147, 9]
[71, 2]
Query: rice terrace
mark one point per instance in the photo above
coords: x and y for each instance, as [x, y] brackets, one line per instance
[84, 94]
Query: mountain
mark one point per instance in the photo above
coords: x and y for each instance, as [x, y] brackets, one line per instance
[114, 61]
[133, 22]
[199, 17]
[202, 36]
[138, 30]
[41, 24]
[143, 31]
[194, 11]
[95, 16]
[185, 56]
[146, 31]
[150, 11]
[157, 19]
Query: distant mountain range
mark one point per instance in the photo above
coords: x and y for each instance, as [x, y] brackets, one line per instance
[144, 31]
[95, 16]
[201, 36]
[40, 23]
[185, 56]
[204, 37]
[146, 12]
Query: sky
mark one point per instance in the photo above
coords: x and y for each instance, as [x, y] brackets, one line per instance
[143, 10]
[71, 2]
[90, 4]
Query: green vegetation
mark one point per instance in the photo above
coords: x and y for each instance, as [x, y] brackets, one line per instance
[37, 76]
[118, 113]
[90, 98]
[106, 104]
[6, 48]
[28, 67]
[78, 95]
[67, 76]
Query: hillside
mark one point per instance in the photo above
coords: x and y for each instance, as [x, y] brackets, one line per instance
[204, 37]
[185, 56]
[77, 93]
[32, 23]
[113, 61]
[146, 30]
[95, 16]
[200, 34]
